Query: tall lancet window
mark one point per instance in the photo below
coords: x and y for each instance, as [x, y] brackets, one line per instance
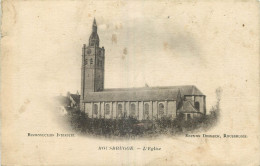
[146, 111]
[107, 109]
[132, 110]
[161, 109]
[95, 109]
[119, 111]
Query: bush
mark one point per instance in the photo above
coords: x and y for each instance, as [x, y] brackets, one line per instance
[131, 127]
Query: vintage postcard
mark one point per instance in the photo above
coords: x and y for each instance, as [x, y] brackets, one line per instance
[130, 83]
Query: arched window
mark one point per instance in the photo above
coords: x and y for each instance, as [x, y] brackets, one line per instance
[197, 105]
[91, 61]
[161, 109]
[188, 117]
[107, 109]
[95, 109]
[132, 110]
[146, 111]
[86, 61]
[119, 110]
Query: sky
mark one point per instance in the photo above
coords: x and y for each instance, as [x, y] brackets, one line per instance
[156, 43]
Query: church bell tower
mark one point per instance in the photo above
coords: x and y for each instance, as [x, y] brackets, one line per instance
[93, 62]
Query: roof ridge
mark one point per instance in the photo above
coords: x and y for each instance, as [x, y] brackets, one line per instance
[145, 93]
[177, 86]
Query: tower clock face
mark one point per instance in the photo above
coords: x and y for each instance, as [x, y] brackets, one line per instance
[89, 51]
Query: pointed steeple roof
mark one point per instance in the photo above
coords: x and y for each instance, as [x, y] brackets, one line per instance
[94, 39]
[94, 22]
[94, 26]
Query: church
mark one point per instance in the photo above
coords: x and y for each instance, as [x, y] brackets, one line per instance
[146, 103]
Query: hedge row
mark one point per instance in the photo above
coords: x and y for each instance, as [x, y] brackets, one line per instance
[130, 127]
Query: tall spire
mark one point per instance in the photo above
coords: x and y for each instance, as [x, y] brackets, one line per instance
[94, 26]
[94, 39]
[94, 22]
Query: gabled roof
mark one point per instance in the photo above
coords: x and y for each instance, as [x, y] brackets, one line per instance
[75, 97]
[188, 108]
[142, 94]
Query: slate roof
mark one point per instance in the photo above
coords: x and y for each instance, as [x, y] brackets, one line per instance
[142, 94]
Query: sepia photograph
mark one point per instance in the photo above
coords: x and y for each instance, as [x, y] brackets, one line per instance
[131, 112]
[130, 83]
